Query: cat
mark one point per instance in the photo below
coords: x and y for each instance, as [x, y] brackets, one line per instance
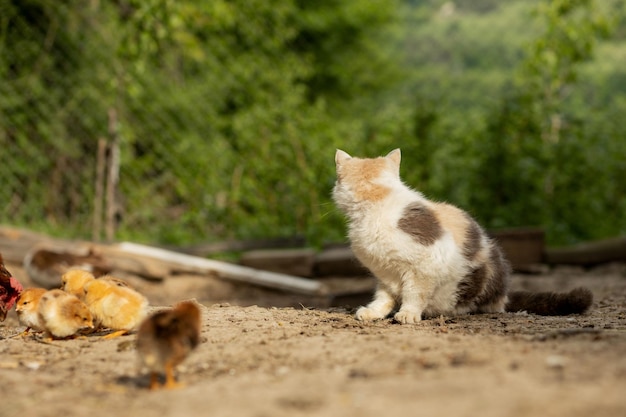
[429, 258]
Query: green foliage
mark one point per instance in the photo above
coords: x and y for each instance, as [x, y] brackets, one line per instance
[222, 118]
[229, 112]
[515, 137]
[534, 142]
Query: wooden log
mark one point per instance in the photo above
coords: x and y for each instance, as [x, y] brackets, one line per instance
[298, 262]
[339, 261]
[15, 242]
[206, 249]
[45, 263]
[227, 270]
[144, 266]
[588, 254]
[522, 247]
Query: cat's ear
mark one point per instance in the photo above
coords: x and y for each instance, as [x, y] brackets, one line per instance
[394, 156]
[341, 157]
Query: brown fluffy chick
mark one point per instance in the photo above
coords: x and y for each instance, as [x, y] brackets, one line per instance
[166, 338]
[26, 308]
[117, 307]
[62, 314]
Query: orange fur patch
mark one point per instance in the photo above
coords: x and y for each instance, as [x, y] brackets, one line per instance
[454, 220]
[361, 174]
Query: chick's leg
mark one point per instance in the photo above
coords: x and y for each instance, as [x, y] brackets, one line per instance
[170, 381]
[115, 334]
[154, 381]
[23, 334]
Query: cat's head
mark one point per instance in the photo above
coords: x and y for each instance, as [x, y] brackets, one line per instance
[364, 179]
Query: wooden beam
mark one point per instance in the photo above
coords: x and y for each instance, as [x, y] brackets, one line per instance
[339, 261]
[207, 249]
[297, 262]
[590, 253]
[227, 270]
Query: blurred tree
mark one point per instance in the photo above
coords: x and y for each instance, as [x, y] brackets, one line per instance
[534, 152]
[229, 111]
[47, 79]
[252, 82]
[340, 40]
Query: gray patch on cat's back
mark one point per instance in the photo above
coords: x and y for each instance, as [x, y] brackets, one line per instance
[420, 223]
[472, 242]
[501, 271]
[498, 283]
[487, 283]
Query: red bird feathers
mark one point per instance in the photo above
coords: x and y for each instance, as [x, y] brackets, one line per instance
[10, 290]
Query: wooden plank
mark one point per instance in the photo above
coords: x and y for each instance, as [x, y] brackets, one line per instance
[339, 261]
[523, 247]
[298, 262]
[206, 249]
[15, 242]
[227, 270]
[45, 263]
[591, 253]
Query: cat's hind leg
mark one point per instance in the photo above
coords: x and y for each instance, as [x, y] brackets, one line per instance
[495, 306]
[379, 308]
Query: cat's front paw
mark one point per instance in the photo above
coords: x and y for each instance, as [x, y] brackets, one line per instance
[367, 314]
[407, 317]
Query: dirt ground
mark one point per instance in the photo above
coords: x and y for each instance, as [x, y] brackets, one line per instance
[262, 361]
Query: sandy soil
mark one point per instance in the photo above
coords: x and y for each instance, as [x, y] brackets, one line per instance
[269, 361]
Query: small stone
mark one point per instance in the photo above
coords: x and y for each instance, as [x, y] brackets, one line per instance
[282, 371]
[32, 365]
[556, 361]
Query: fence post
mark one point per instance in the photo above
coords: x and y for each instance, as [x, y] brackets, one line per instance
[112, 177]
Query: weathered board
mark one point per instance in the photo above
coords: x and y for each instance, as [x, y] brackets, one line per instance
[298, 262]
[590, 253]
[338, 261]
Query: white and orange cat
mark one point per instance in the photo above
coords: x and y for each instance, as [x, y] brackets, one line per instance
[429, 258]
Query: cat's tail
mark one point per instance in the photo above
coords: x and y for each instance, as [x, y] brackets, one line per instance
[577, 301]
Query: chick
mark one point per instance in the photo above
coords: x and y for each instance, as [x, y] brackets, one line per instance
[74, 280]
[116, 307]
[115, 280]
[26, 308]
[62, 314]
[166, 338]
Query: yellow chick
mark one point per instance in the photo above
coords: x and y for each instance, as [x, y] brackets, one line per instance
[166, 338]
[74, 280]
[115, 280]
[62, 314]
[26, 309]
[117, 307]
